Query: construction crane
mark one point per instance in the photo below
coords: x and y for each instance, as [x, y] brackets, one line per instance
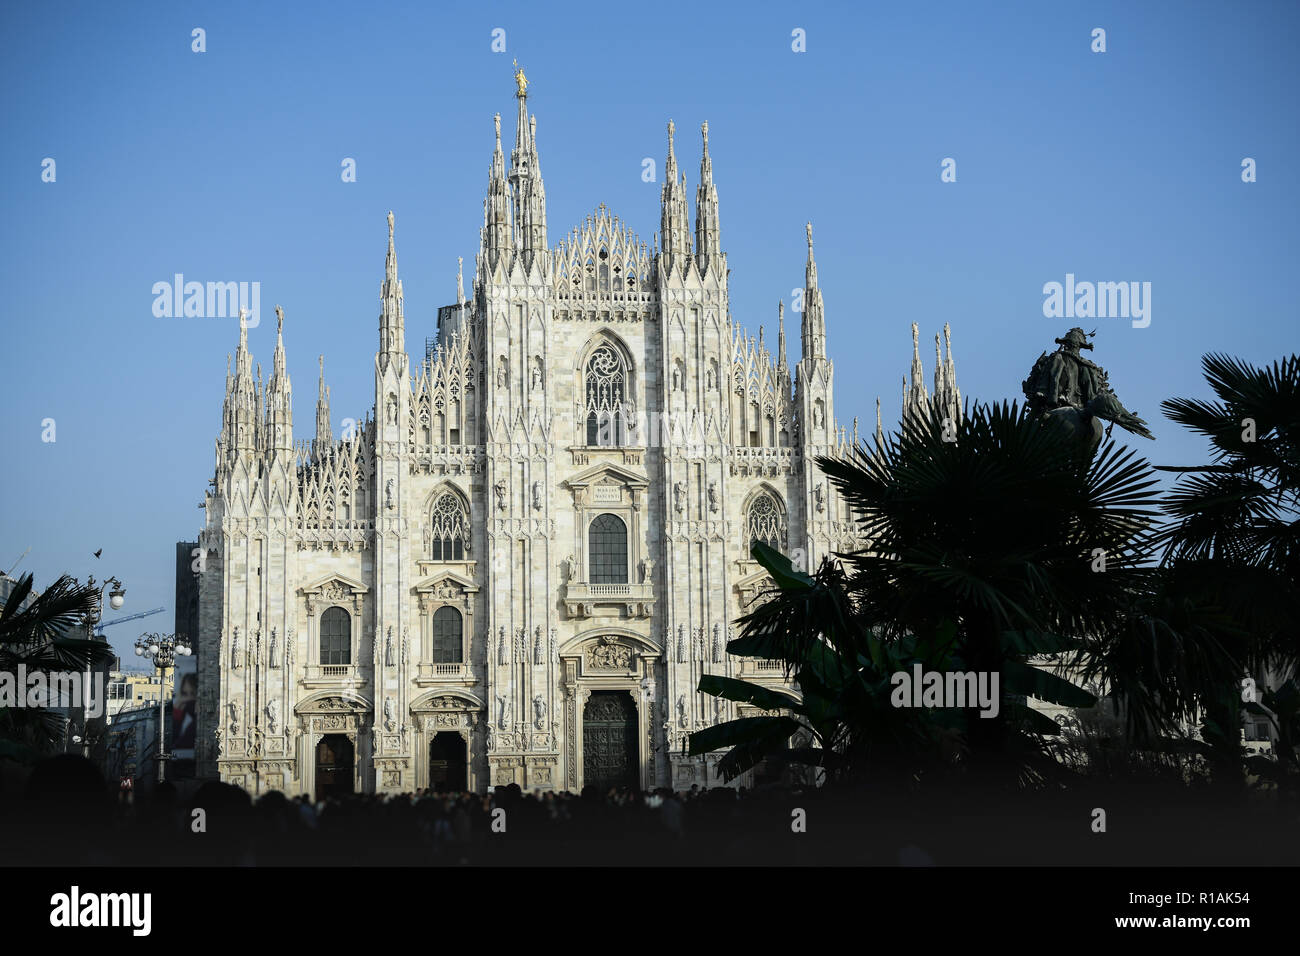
[99, 628]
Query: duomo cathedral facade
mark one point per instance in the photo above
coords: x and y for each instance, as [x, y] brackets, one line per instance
[518, 568]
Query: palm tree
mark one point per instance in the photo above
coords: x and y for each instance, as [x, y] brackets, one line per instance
[37, 632]
[991, 543]
[1233, 533]
[1005, 528]
[841, 719]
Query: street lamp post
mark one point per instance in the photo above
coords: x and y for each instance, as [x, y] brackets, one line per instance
[116, 598]
[162, 650]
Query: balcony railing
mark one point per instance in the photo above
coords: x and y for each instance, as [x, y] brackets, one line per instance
[580, 598]
[436, 673]
[330, 673]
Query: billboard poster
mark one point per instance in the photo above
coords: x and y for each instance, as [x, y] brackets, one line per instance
[185, 696]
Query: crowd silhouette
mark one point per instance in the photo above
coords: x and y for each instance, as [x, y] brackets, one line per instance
[63, 813]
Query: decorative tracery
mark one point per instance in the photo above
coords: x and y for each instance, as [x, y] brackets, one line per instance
[606, 397]
[448, 528]
[765, 522]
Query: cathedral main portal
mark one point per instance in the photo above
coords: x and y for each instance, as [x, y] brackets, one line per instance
[609, 744]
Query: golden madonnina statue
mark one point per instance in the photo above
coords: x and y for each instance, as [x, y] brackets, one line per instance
[521, 81]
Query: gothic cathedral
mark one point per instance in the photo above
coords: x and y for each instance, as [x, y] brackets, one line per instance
[518, 568]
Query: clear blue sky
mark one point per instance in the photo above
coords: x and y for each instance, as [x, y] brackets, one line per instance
[225, 166]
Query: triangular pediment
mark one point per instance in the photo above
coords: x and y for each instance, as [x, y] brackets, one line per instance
[320, 584]
[759, 579]
[431, 582]
[608, 472]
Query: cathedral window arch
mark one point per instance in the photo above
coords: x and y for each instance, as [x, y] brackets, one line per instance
[606, 388]
[607, 550]
[765, 521]
[448, 636]
[448, 529]
[335, 637]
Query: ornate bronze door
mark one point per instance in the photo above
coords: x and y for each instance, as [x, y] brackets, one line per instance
[333, 766]
[447, 771]
[609, 751]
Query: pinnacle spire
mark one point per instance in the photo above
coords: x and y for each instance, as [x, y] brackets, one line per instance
[278, 374]
[324, 434]
[673, 229]
[392, 322]
[707, 238]
[780, 334]
[279, 396]
[938, 367]
[239, 413]
[814, 320]
[526, 179]
[497, 228]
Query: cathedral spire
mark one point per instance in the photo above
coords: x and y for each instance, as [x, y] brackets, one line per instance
[938, 367]
[324, 434]
[526, 179]
[280, 377]
[880, 430]
[707, 236]
[497, 240]
[915, 398]
[392, 333]
[780, 335]
[673, 230]
[279, 397]
[949, 399]
[814, 320]
[239, 413]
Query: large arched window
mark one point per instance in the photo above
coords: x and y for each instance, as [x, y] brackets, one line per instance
[765, 521]
[335, 636]
[448, 528]
[447, 636]
[606, 397]
[607, 550]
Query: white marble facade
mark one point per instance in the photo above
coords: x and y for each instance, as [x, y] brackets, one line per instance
[451, 565]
